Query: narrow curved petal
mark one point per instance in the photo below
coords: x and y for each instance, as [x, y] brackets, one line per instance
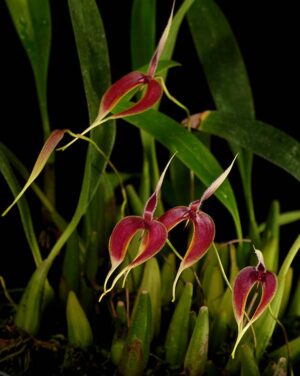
[216, 184]
[269, 286]
[121, 236]
[149, 99]
[119, 240]
[152, 201]
[243, 284]
[48, 148]
[203, 236]
[154, 239]
[174, 216]
[117, 91]
[161, 44]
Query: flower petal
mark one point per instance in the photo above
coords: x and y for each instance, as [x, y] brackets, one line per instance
[121, 236]
[245, 281]
[216, 184]
[152, 201]
[154, 239]
[161, 44]
[203, 236]
[149, 99]
[174, 216]
[243, 284]
[119, 240]
[269, 286]
[117, 90]
[49, 146]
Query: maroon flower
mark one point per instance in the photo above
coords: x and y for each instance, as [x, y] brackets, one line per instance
[203, 226]
[247, 280]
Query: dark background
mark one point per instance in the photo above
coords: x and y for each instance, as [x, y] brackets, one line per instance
[268, 37]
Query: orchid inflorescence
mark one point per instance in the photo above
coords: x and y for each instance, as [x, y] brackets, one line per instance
[155, 232]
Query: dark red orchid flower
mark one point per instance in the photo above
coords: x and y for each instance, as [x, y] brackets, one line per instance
[203, 226]
[153, 88]
[249, 279]
[153, 239]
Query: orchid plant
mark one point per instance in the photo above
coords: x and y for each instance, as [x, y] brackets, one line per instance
[191, 302]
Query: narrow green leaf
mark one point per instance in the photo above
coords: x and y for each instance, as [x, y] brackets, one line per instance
[221, 58]
[25, 214]
[92, 51]
[262, 139]
[32, 21]
[94, 63]
[284, 219]
[71, 267]
[270, 241]
[143, 27]
[286, 297]
[294, 308]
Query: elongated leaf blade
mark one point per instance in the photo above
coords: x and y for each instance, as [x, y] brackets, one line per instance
[261, 138]
[94, 63]
[32, 21]
[221, 58]
[92, 51]
[142, 35]
[25, 214]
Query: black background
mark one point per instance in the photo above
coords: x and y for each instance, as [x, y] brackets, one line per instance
[268, 37]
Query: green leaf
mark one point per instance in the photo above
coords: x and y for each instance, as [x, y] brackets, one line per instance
[227, 78]
[221, 58]
[262, 139]
[92, 51]
[25, 214]
[143, 25]
[190, 151]
[32, 21]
